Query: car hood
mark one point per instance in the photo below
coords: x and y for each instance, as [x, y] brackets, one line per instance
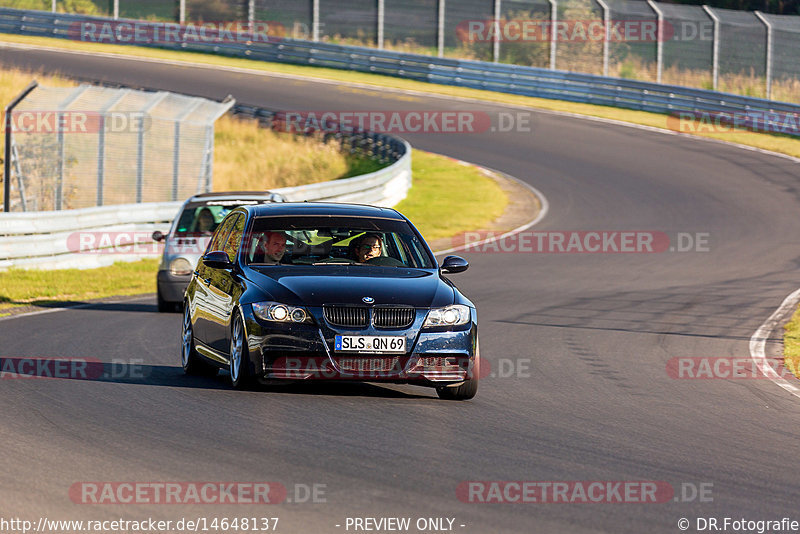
[318, 285]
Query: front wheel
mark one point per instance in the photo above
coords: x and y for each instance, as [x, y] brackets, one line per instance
[468, 389]
[190, 361]
[241, 377]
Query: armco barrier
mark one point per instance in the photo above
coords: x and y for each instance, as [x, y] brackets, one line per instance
[514, 79]
[45, 240]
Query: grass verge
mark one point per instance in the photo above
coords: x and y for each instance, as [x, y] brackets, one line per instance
[791, 344]
[40, 288]
[776, 143]
[447, 198]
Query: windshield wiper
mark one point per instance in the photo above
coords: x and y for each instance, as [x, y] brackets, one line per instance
[346, 262]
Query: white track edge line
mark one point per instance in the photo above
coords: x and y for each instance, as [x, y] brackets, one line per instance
[758, 343]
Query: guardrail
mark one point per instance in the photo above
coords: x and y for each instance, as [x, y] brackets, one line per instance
[53, 240]
[752, 112]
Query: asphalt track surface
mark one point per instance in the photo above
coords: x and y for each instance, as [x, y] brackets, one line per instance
[594, 404]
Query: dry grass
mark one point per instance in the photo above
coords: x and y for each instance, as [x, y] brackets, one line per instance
[247, 157]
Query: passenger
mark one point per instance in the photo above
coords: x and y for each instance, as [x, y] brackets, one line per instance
[367, 247]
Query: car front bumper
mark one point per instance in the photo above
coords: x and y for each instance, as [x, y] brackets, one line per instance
[171, 287]
[305, 352]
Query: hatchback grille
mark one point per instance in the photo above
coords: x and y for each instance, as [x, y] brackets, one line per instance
[393, 317]
[346, 316]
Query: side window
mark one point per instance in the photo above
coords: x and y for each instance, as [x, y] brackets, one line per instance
[235, 238]
[219, 236]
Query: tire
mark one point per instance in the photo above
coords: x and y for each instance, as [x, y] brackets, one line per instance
[190, 361]
[241, 374]
[468, 389]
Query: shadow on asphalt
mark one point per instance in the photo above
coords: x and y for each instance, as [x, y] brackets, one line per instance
[172, 376]
[136, 304]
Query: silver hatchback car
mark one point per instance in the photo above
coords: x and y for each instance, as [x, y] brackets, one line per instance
[188, 237]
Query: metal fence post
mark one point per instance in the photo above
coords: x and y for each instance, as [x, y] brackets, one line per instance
[496, 39]
[315, 20]
[7, 161]
[116, 9]
[553, 22]
[607, 28]
[176, 156]
[715, 48]
[251, 15]
[440, 30]
[101, 146]
[157, 98]
[660, 40]
[768, 69]
[181, 11]
[381, 17]
[209, 163]
[59, 193]
[53, 6]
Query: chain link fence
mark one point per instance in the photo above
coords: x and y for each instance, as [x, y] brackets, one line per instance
[90, 146]
[749, 53]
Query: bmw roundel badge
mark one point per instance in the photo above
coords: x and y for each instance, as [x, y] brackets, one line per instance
[368, 300]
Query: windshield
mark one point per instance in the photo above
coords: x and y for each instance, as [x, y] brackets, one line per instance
[202, 218]
[335, 241]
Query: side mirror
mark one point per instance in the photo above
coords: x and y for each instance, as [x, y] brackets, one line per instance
[217, 259]
[158, 236]
[454, 264]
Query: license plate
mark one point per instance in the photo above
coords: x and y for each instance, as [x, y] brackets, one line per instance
[373, 344]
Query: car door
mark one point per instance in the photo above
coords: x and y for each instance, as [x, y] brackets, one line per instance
[224, 289]
[203, 302]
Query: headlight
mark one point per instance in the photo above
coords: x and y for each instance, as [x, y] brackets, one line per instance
[455, 315]
[180, 266]
[281, 313]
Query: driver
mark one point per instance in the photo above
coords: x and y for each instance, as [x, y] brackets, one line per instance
[367, 247]
[205, 222]
[271, 247]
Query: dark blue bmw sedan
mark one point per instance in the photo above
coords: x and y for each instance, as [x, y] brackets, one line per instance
[321, 291]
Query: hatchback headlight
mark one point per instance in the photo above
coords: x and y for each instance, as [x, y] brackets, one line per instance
[180, 266]
[280, 313]
[455, 315]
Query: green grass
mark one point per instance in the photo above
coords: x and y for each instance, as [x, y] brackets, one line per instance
[446, 199]
[782, 144]
[29, 288]
[791, 344]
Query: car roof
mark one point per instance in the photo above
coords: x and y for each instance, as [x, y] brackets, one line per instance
[232, 195]
[322, 209]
